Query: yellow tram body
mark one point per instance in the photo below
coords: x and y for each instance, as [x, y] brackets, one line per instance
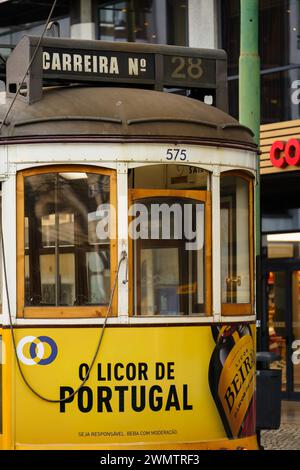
[175, 366]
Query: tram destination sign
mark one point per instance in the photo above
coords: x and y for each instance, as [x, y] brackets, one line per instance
[97, 64]
[147, 65]
[124, 65]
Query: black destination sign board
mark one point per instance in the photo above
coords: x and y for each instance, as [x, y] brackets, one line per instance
[66, 61]
[97, 65]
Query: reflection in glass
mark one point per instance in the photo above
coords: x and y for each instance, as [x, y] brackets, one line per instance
[169, 176]
[235, 261]
[147, 21]
[276, 289]
[168, 272]
[65, 261]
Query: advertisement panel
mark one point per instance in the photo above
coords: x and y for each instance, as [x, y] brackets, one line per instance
[159, 384]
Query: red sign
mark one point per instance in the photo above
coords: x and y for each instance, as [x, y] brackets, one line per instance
[284, 154]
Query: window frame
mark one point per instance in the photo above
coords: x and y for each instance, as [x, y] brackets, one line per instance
[79, 311]
[242, 309]
[198, 195]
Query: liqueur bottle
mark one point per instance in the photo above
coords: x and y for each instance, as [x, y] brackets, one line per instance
[232, 378]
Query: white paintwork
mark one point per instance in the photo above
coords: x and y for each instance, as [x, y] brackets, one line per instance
[103, 153]
[216, 241]
[10, 245]
[122, 188]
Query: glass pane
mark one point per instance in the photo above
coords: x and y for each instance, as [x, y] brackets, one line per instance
[169, 177]
[146, 21]
[276, 289]
[159, 274]
[296, 322]
[98, 276]
[169, 257]
[128, 21]
[67, 239]
[235, 259]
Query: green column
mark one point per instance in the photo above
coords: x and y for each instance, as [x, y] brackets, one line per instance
[249, 85]
[249, 111]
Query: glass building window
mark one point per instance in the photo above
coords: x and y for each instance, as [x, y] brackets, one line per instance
[279, 49]
[236, 242]
[68, 255]
[148, 21]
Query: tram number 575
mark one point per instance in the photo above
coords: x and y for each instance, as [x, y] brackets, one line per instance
[176, 154]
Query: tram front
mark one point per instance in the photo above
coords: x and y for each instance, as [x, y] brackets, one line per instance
[128, 314]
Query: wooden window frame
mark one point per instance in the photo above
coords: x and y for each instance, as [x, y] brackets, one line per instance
[243, 309]
[80, 311]
[201, 196]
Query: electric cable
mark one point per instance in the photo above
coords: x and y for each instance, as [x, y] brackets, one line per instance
[123, 258]
[29, 65]
[90, 367]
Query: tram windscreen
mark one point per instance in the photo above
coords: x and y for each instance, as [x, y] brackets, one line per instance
[169, 257]
[66, 263]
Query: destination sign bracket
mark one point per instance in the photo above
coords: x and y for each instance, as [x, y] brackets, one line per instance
[61, 61]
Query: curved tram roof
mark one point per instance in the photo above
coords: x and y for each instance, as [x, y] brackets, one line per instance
[121, 114]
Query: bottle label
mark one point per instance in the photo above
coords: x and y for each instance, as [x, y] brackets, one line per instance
[237, 383]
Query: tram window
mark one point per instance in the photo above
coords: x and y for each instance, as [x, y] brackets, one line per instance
[236, 240]
[169, 176]
[67, 258]
[170, 259]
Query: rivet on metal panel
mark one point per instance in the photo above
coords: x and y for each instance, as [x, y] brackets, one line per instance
[122, 167]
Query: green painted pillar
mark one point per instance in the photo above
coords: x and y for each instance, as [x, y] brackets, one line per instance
[249, 106]
[249, 68]
[249, 85]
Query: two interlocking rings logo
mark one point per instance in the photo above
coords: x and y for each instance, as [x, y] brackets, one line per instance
[34, 350]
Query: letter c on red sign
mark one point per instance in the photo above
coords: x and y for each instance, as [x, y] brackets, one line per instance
[292, 152]
[276, 159]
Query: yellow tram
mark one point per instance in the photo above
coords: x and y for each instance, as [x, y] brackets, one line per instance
[128, 312]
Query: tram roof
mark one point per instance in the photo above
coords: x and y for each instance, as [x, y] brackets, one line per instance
[121, 114]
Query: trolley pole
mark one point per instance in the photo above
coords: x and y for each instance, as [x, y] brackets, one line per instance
[249, 112]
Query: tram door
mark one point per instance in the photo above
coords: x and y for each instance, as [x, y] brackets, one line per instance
[282, 291]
